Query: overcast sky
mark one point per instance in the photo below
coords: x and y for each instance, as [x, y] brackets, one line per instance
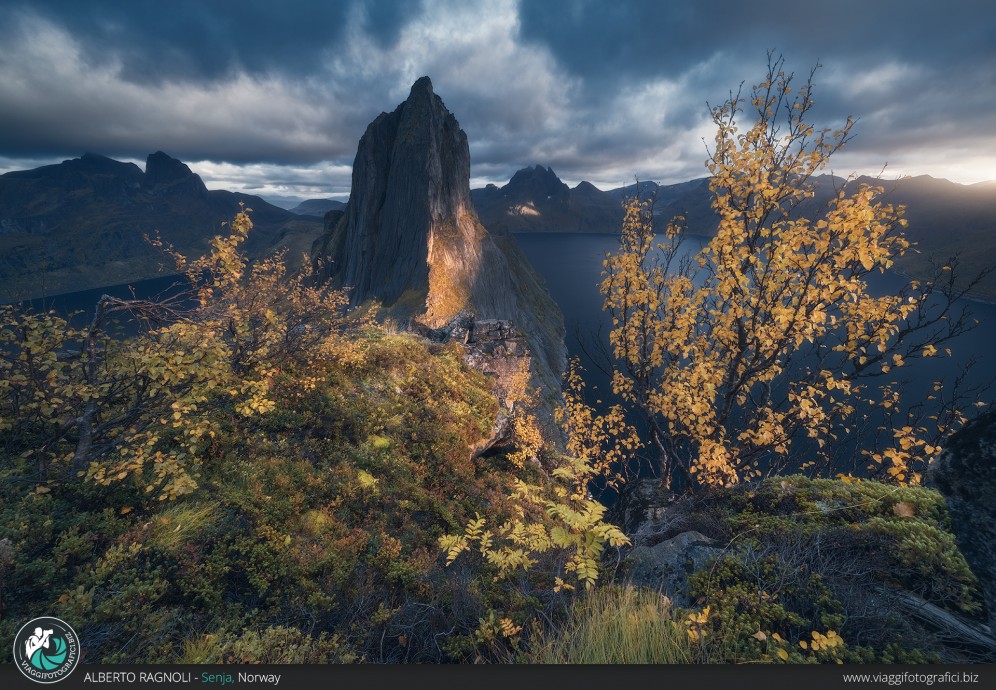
[271, 98]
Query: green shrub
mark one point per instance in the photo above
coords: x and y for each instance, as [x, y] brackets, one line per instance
[273, 645]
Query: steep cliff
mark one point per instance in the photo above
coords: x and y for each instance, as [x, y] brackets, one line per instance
[410, 237]
[966, 474]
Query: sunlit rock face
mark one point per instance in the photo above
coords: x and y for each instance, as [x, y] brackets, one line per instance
[410, 237]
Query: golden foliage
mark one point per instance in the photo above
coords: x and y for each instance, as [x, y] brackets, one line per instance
[600, 444]
[763, 339]
[696, 624]
[522, 398]
[145, 408]
[560, 516]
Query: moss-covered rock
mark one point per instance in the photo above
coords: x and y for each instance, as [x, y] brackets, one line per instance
[965, 474]
[803, 558]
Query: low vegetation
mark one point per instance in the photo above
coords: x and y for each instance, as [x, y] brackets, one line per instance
[258, 475]
[812, 571]
[617, 625]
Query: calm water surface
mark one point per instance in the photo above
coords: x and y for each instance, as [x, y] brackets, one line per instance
[571, 265]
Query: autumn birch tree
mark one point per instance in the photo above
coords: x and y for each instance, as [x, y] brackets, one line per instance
[758, 354]
[81, 403]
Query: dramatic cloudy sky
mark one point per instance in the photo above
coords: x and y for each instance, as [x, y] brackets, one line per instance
[272, 97]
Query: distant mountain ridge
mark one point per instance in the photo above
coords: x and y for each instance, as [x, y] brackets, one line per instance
[535, 199]
[81, 224]
[945, 218]
[317, 207]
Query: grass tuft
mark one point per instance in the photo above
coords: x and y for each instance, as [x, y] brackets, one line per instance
[615, 625]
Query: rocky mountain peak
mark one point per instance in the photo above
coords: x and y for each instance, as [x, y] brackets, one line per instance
[537, 181]
[163, 169]
[90, 164]
[422, 85]
[535, 199]
[410, 237]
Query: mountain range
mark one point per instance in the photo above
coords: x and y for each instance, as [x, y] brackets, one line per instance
[317, 207]
[945, 219]
[82, 223]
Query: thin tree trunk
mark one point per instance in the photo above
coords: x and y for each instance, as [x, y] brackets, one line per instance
[81, 458]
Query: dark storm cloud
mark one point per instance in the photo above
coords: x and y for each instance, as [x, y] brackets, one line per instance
[619, 41]
[613, 45]
[188, 76]
[266, 96]
[912, 71]
[198, 40]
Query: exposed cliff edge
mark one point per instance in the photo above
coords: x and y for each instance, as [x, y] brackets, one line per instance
[965, 473]
[410, 237]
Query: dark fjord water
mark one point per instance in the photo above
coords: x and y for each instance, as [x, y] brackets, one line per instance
[571, 265]
[85, 301]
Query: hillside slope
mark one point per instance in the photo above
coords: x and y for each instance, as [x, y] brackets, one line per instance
[82, 223]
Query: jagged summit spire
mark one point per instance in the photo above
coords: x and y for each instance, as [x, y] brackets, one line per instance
[410, 212]
[421, 85]
[410, 237]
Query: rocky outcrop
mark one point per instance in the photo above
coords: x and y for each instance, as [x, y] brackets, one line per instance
[965, 473]
[411, 240]
[498, 350]
[666, 566]
[492, 346]
[896, 577]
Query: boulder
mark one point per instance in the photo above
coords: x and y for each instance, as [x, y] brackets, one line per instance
[666, 566]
